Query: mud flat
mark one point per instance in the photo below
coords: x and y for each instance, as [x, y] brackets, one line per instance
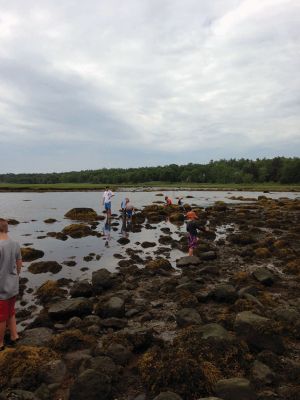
[223, 324]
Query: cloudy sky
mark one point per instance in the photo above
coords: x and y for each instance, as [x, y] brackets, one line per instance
[97, 83]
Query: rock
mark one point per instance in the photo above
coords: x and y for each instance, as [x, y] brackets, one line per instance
[188, 316]
[101, 364]
[54, 372]
[210, 398]
[17, 394]
[210, 270]
[140, 338]
[123, 241]
[69, 263]
[101, 280]
[264, 276]
[224, 293]
[48, 290]
[176, 217]
[75, 359]
[69, 308]
[82, 214]
[262, 374]
[146, 245]
[44, 266]
[286, 314]
[30, 254]
[167, 396]
[258, 332]
[235, 389]
[78, 231]
[160, 264]
[208, 255]
[12, 221]
[215, 331]
[114, 307]
[36, 337]
[188, 260]
[81, 289]
[96, 384]
[50, 220]
[119, 353]
[241, 239]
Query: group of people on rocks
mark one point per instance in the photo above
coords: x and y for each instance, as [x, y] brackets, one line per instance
[11, 260]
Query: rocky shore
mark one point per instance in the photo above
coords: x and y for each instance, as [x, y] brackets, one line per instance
[221, 325]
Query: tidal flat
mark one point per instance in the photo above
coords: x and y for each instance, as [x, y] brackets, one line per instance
[119, 311]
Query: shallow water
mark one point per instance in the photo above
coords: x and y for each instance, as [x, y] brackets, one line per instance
[31, 209]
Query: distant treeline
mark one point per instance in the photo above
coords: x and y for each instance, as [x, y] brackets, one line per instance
[278, 170]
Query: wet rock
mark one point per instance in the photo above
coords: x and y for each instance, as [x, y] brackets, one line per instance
[101, 364]
[72, 339]
[44, 266]
[224, 293]
[210, 270]
[176, 217]
[82, 214]
[113, 322]
[208, 255]
[54, 372]
[48, 290]
[75, 359]
[30, 254]
[210, 398]
[50, 220]
[188, 316]
[96, 384]
[264, 276]
[114, 307]
[160, 264]
[70, 308]
[186, 261]
[78, 231]
[262, 252]
[262, 375]
[12, 221]
[286, 314]
[140, 338]
[167, 396]
[215, 331]
[123, 241]
[101, 280]
[235, 389]
[241, 239]
[258, 332]
[70, 263]
[81, 289]
[118, 352]
[146, 245]
[17, 394]
[38, 337]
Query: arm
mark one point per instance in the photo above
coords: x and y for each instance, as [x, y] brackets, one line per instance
[19, 265]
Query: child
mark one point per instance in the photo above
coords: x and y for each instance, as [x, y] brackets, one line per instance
[192, 227]
[10, 267]
[168, 201]
[107, 196]
[129, 209]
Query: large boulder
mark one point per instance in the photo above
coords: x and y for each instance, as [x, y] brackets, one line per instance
[69, 308]
[258, 332]
[30, 254]
[101, 280]
[235, 389]
[44, 266]
[114, 307]
[187, 260]
[188, 316]
[92, 385]
[82, 214]
[78, 231]
[36, 337]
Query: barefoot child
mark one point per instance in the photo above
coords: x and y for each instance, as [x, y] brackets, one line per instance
[192, 228]
[10, 267]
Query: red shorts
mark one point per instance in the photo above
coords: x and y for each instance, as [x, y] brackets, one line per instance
[7, 308]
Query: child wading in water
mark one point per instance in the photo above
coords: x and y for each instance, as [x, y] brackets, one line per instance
[192, 228]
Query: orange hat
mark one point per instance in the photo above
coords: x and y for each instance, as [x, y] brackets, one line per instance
[191, 215]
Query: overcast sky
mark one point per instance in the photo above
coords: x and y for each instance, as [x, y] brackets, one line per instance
[97, 83]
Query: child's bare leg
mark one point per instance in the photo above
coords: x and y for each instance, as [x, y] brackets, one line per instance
[12, 326]
[191, 251]
[2, 332]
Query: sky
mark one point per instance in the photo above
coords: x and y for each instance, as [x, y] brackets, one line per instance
[97, 83]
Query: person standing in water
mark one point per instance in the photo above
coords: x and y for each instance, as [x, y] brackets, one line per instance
[10, 268]
[107, 196]
[192, 227]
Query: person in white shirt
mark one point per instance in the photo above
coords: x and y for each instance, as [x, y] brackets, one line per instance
[107, 196]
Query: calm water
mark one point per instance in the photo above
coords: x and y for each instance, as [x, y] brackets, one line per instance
[31, 209]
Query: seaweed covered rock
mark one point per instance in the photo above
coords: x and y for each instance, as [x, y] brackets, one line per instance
[259, 332]
[30, 254]
[114, 307]
[95, 384]
[188, 316]
[82, 214]
[102, 280]
[48, 290]
[187, 260]
[70, 308]
[81, 289]
[192, 365]
[160, 264]
[176, 217]
[44, 266]
[24, 364]
[264, 276]
[18, 394]
[78, 231]
[38, 337]
[72, 339]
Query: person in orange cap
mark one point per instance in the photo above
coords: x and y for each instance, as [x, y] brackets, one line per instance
[192, 227]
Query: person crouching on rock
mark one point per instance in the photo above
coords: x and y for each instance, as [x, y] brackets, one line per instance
[192, 227]
[168, 201]
[129, 209]
[10, 268]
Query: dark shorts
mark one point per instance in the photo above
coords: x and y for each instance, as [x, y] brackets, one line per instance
[129, 213]
[7, 308]
[107, 206]
[192, 241]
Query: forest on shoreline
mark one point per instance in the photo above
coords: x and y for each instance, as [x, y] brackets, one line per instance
[279, 170]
